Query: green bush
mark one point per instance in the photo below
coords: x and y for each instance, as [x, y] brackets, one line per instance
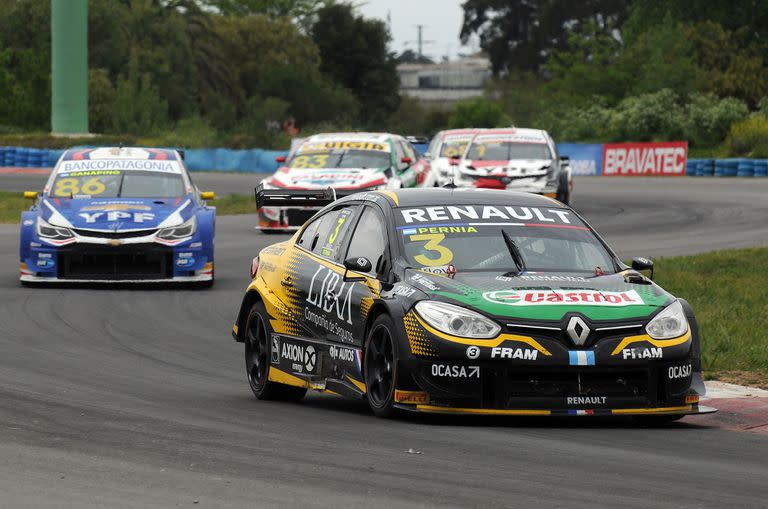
[478, 112]
[709, 118]
[749, 138]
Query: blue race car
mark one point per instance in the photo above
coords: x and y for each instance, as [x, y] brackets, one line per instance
[118, 215]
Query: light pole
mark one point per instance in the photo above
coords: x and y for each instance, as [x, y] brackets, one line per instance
[69, 66]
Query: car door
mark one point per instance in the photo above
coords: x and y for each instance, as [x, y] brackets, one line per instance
[325, 298]
[369, 240]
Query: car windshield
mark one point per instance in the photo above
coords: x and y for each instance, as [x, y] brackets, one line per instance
[342, 159]
[470, 238]
[507, 150]
[453, 148]
[118, 184]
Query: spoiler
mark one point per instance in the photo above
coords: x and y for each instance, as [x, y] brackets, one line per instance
[299, 197]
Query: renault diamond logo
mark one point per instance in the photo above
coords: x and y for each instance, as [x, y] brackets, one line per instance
[577, 331]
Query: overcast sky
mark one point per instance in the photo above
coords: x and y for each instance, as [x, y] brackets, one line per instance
[441, 20]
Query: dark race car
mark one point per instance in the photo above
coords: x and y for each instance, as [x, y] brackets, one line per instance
[464, 301]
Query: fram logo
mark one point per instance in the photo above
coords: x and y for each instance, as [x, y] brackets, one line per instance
[560, 297]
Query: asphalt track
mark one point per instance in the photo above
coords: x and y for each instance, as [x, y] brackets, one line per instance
[137, 398]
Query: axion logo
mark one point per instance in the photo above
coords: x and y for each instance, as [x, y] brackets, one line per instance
[304, 359]
[561, 297]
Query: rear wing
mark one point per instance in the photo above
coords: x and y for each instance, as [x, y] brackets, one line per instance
[298, 197]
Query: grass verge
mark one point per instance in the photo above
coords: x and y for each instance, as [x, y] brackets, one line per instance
[729, 295]
[12, 203]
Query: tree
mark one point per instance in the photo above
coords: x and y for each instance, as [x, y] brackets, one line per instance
[303, 11]
[478, 112]
[353, 53]
[411, 57]
[520, 34]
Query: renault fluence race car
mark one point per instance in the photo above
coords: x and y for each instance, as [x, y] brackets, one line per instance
[118, 215]
[346, 162]
[445, 152]
[464, 301]
[517, 160]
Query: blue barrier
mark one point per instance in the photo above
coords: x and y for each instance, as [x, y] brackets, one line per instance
[586, 159]
[761, 167]
[692, 167]
[745, 168]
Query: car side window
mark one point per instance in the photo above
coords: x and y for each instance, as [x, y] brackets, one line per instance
[331, 232]
[370, 241]
[308, 234]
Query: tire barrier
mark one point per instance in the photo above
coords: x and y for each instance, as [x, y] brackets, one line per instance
[214, 159]
[263, 161]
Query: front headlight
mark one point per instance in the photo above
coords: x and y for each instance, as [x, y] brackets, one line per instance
[456, 321]
[179, 232]
[670, 323]
[48, 231]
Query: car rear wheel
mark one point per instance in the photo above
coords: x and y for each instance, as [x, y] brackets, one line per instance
[257, 359]
[380, 367]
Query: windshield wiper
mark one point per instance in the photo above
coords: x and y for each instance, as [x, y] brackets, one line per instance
[514, 251]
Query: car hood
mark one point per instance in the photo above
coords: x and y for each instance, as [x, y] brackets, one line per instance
[351, 178]
[117, 214]
[543, 296]
[513, 168]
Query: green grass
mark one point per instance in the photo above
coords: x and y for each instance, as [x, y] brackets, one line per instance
[11, 205]
[235, 204]
[729, 294]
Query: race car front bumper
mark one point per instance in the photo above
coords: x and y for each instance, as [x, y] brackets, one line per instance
[513, 374]
[82, 262]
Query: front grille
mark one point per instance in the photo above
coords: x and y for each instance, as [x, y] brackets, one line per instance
[115, 235]
[549, 388]
[297, 217]
[562, 337]
[121, 263]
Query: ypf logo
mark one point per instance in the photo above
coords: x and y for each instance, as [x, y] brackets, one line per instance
[473, 352]
[310, 358]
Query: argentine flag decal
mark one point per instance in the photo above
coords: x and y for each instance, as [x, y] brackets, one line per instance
[581, 358]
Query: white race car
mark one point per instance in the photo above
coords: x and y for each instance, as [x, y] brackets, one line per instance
[346, 162]
[446, 150]
[518, 160]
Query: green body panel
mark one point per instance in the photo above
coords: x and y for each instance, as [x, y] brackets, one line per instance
[468, 289]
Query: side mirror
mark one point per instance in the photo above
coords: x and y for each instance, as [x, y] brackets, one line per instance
[30, 195]
[357, 264]
[640, 263]
[280, 159]
[406, 160]
[207, 195]
[455, 160]
[565, 159]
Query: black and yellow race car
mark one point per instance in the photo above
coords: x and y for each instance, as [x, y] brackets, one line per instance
[463, 301]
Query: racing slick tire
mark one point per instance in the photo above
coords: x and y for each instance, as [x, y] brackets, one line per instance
[652, 421]
[563, 189]
[257, 357]
[380, 366]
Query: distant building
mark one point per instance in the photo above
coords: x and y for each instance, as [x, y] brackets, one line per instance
[446, 82]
